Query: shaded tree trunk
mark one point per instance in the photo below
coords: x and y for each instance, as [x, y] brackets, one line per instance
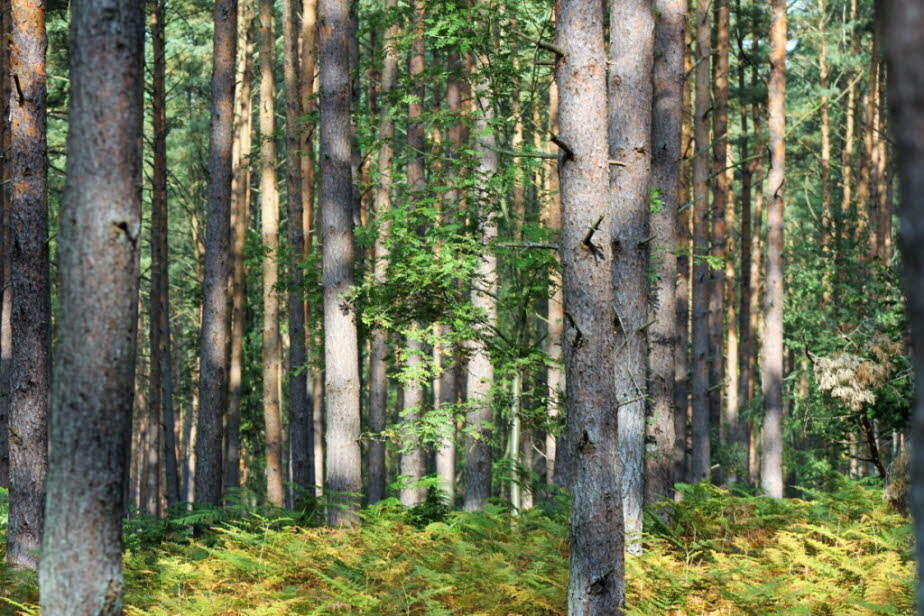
[771, 464]
[6, 346]
[597, 585]
[98, 257]
[213, 359]
[666, 130]
[343, 463]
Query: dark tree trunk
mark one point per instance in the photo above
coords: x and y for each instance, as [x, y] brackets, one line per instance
[98, 257]
[666, 129]
[597, 585]
[6, 346]
[30, 285]
[214, 343]
[343, 463]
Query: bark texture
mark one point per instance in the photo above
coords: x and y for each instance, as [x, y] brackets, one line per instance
[81, 569]
[597, 585]
[6, 347]
[213, 343]
[343, 481]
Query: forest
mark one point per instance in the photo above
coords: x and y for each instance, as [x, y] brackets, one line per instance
[461, 307]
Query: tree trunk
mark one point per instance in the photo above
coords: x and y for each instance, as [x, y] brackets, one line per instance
[98, 257]
[240, 220]
[161, 370]
[701, 454]
[483, 296]
[847, 151]
[771, 464]
[343, 481]
[378, 357]
[413, 464]
[269, 209]
[597, 585]
[666, 129]
[213, 362]
[826, 213]
[631, 56]
[6, 346]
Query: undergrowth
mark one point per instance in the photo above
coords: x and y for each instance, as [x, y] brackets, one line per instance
[842, 553]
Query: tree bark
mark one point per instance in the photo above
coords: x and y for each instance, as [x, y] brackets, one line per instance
[701, 455]
[6, 346]
[666, 130]
[343, 481]
[771, 464]
[213, 361]
[597, 585]
[826, 213]
[161, 369]
[98, 257]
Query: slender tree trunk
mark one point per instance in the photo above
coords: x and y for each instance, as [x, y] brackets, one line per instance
[269, 209]
[631, 56]
[161, 370]
[666, 130]
[847, 150]
[826, 213]
[413, 463]
[343, 481]
[701, 455]
[597, 585]
[483, 296]
[240, 220]
[771, 464]
[30, 285]
[213, 362]
[6, 346]
[378, 357]
[98, 257]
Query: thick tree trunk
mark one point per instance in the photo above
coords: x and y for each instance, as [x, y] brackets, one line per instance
[214, 347]
[269, 209]
[6, 346]
[98, 257]
[597, 585]
[378, 357]
[484, 299]
[771, 464]
[631, 56]
[343, 481]
[240, 220]
[161, 369]
[413, 463]
[701, 453]
[30, 285]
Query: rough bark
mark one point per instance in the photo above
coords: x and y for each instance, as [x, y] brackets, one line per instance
[213, 344]
[98, 257]
[666, 129]
[30, 285]
[701, 451]
[6, 347]
[161, 369]
[597, 585]
[378, 378]
[343, 464]
[240, 220]
[771, 464]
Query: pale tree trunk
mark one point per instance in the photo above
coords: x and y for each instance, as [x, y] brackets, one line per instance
[214, 356]
[757, 243]
[30, 285]
[413, 463]
[849, 123]
[343, 463]
[701, 450]
[300, 420]
[6, 346]
[884, 210]
[666, 131]
[240, 220]
[771, 464]
[597, 584]
[631, 56]
[719, 205]
[484, 299]
[823, 81]
[875, 151]
[734, 430]
[98, 257]
[161, 370]
[269, 210]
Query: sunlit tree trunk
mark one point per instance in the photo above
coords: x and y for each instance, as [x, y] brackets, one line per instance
[826, 212]
[847, 161]
[597, 585]
[771, 464]
[98, 257]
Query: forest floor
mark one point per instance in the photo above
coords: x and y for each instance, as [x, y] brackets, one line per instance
[841, 553]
